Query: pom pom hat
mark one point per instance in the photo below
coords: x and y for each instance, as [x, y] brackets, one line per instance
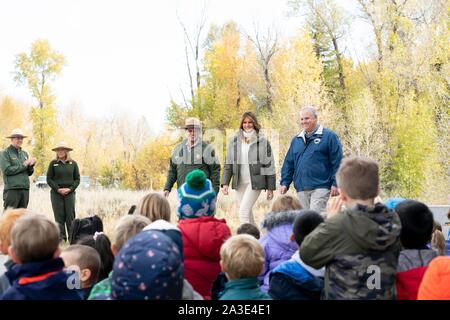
[197, 196]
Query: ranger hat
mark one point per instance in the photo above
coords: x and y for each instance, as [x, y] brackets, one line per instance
[62, 145]
[16, 133]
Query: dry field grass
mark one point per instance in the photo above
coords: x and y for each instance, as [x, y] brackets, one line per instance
[111, 204]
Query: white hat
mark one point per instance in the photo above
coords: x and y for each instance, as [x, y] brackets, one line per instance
[192, 122]
[16, 133]
[62, 145]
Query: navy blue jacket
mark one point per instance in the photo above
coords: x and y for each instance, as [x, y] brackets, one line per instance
[40, 281]
[291, 281]
[312, 163]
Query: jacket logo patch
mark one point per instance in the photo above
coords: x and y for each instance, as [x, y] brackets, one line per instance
[317, 140]
[55, 164]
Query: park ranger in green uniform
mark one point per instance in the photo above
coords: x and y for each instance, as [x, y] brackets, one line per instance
[63, 176]
[16, 167]
[192, 153]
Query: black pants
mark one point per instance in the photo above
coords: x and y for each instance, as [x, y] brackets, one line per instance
[64, 212]
[16, 198]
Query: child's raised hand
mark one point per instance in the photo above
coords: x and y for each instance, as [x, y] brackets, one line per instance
[334, 206]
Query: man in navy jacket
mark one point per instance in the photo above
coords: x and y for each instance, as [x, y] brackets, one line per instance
[311, 162]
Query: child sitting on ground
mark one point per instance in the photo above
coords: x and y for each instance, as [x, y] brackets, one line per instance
[7, 221]
[148, 267]
[202, 233]
[100, 242]
[126, 228]
[293, 279]
[85, 261]
[156, 207]
[437, 239]
[39, 271]
[242, 260]
[360, 246]
[277, 244]
[249, 228]
[219, 284]
[285, 202]
[417, 227]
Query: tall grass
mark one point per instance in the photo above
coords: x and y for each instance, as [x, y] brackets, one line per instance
[111, 204]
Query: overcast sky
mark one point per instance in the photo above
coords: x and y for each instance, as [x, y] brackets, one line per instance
[125, 55]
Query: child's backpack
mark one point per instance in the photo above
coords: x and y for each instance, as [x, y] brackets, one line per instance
[85, 227]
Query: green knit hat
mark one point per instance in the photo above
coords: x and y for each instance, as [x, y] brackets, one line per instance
[196, 179]
[197, 196]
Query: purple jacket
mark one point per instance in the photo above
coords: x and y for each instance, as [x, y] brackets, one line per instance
[276, 242]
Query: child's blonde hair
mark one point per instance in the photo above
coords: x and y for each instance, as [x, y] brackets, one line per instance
[154, 206]
[34, 238]
[7, 221]
[128, 227]
[285, 203]
[438, 242]
[242, 256]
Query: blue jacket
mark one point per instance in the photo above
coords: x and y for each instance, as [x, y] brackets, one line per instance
[312, 164]
[243, 289]
[44, 280]
[291, 281]
[4, 281]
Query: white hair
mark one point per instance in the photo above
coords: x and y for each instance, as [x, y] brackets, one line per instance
[310, 108]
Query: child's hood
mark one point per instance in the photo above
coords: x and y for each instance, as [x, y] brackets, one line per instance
[273, 219]
[53, 282]
[373, 227]
[205, 234]
[280, 236]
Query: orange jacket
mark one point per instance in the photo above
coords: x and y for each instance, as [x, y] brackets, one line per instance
[436, 281]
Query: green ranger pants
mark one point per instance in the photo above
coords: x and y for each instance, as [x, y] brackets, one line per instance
[16, 198]
[64, 211]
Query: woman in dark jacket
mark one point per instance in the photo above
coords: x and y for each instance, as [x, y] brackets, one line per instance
[63, 176]
[250, 164]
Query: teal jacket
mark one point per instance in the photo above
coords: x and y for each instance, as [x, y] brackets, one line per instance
[243, 289]
[15, 174]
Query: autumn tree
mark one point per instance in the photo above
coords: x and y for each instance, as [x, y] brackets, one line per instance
[12, 117]
[266, 46]
[37, 70]
[327, 23]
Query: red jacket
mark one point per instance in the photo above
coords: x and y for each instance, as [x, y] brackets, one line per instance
[412, 264]
[202, 240]
[408, 283]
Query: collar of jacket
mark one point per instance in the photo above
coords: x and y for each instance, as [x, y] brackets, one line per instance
[240, 136]
[32, 269]
[9, 264]
[273, 219]
[12, 148]
[244, 283]
[315, 272]
[318, 132]
[196, 142]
